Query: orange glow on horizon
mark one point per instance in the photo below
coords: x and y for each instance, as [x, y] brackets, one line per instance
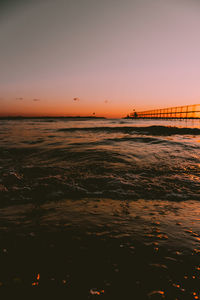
[101, 108]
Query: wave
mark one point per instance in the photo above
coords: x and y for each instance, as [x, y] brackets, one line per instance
[150, 130]
[128, 162]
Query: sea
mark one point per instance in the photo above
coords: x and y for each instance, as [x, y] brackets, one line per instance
[100, 208]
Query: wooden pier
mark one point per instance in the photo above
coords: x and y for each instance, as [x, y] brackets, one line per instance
[178, 112]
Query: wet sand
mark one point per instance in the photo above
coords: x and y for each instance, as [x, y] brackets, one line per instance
[86, 249]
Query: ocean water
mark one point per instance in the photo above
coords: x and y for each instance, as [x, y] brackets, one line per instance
[101, 207]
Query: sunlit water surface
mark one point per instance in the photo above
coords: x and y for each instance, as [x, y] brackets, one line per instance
[101, 208]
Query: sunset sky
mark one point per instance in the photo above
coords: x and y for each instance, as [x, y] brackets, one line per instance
[76, 57]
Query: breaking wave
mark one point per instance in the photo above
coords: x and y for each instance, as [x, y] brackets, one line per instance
[151, 130]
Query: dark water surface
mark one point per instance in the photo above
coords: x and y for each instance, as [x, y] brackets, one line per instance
[100, 208]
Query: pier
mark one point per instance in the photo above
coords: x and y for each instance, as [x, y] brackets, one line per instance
[178, 112]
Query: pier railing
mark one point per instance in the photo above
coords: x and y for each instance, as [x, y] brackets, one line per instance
[179, 112]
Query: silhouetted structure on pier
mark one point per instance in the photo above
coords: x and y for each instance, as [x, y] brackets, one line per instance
[179, 112]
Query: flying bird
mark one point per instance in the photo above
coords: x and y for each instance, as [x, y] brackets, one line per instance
[19, 98]
[76, 99]
[36, 100]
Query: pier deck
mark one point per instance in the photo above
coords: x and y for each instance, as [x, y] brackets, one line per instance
[179, 112]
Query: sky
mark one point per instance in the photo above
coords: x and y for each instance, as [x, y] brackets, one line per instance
[77, 57]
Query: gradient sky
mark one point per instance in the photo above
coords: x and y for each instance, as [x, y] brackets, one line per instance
[110, 55]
